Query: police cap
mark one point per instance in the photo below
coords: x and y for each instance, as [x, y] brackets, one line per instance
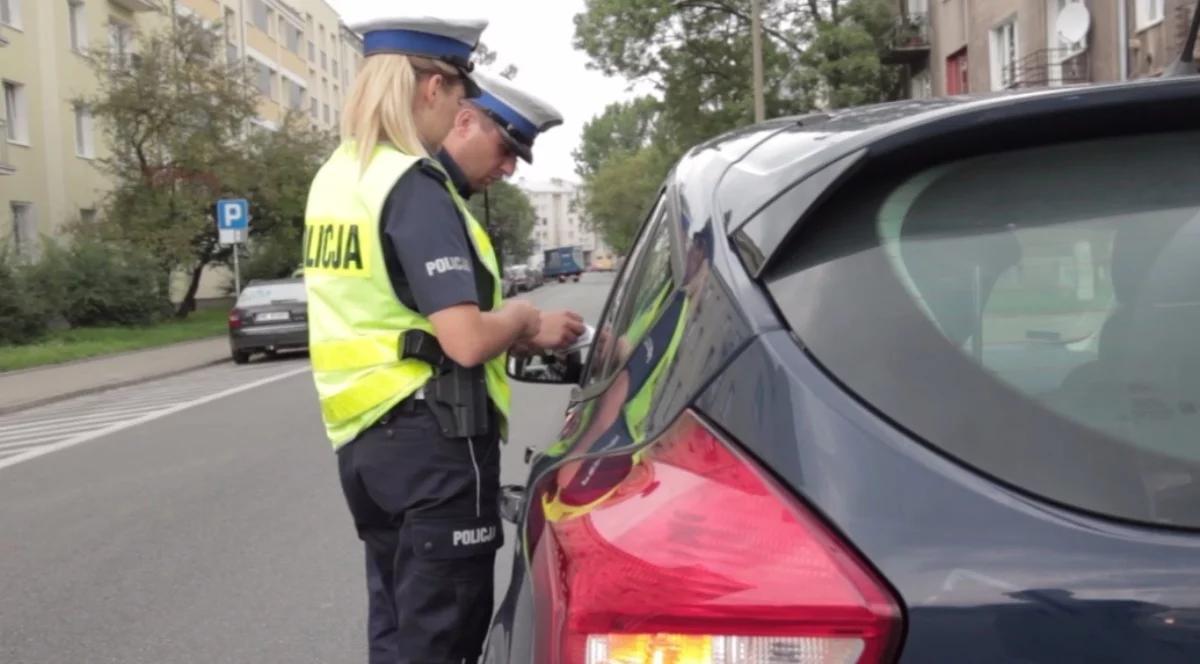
[520, 115]
[450, 40]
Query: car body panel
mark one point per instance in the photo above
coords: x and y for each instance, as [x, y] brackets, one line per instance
[987, 574]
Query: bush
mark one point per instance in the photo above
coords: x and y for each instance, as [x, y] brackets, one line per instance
[23, 315]
[95, 283]
[113, 285]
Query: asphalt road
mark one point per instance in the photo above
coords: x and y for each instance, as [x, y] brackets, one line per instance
[200, 520]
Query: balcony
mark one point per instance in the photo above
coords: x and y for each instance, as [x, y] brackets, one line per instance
[908, 43]
[1048, 67]
[6, 167]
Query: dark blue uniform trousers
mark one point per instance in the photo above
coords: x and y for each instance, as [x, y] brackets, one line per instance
[425, 507]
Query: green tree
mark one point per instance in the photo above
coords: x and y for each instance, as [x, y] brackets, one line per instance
[279, 169]
[509, 221]
[622, 127]
[179, 120]
[175, 117]
[619, 194]
[696, 55]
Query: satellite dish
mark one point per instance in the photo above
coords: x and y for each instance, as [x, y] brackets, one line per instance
[1073, 22]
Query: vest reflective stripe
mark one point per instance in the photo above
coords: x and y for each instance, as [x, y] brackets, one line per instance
[355, 318]
[369, 390]
[357, 353]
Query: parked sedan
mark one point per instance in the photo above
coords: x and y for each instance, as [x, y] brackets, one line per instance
[269, 316]
[916, 382]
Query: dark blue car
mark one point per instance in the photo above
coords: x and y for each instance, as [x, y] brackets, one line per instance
[917, 382]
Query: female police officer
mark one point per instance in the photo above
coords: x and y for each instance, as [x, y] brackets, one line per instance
[408, 338]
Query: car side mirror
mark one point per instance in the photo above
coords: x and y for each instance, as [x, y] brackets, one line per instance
[564, 367]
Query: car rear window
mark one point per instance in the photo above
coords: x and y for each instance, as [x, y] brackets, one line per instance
[1033, 313]
[264, 294]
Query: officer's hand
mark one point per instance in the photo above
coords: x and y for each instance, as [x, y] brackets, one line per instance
[527, 316]
[559, 330]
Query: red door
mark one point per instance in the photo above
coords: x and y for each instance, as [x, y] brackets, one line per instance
[956, 73]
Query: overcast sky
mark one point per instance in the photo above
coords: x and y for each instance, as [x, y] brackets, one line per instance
[534, 35]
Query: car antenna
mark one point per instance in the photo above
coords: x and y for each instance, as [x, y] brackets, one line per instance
[1185, 65]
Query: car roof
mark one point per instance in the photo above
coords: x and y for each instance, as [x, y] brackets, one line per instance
[745, 170]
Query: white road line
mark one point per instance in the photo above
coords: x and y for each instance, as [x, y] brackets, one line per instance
[64, 422]
[93, 435]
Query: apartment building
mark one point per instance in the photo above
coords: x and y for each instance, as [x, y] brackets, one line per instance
[302, 57]
[958, 46]
[560, 222]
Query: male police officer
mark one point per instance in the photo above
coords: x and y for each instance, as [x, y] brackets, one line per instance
[489, 133]
[407, 335]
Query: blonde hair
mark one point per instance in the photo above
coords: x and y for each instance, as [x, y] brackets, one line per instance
[380, 106]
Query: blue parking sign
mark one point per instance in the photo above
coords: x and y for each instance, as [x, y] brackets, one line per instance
[233, 214]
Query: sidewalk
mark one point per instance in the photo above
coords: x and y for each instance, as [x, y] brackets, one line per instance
[32, 387]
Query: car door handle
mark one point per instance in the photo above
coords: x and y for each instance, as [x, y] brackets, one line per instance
[512, 502]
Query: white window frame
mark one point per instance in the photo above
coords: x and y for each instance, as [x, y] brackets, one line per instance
[24, 228]
[77, 25]
[1149, 13]
[16, 112]
[85, 133]
[120, 41]
[998, 41]
[13, 9]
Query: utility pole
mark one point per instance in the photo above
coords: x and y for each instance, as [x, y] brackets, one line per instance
[760, 109]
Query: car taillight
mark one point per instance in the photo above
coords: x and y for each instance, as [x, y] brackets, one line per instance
[235, 319]
[686, 552]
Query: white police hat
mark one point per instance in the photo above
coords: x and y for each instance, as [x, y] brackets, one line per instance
[521, 116]
[450, 40]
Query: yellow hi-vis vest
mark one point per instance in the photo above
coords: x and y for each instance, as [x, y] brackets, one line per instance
[354, 317]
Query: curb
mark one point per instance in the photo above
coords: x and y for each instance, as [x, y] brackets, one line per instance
[29, 405]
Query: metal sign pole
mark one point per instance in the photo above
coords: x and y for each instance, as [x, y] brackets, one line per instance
[237, 270]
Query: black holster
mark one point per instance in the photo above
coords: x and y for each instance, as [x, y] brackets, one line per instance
[457, 395]
[458, 398]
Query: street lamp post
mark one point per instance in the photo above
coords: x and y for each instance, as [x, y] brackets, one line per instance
[760, 110]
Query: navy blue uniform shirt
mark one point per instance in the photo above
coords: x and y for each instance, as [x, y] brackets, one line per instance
[429, 258]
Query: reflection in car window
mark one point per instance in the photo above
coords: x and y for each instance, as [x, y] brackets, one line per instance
[646, 277]
[1034, 312]
[259, 295]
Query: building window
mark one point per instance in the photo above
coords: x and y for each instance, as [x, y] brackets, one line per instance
[312, 51]
[10, 13]
[312, 109]
[264, 79]
[333, 66]
[24, 229]
[295, 39]
[324, 61]
[120, 41]
[77, 22]
[327, 112]
[1149, 12]
[85, 142]
[295, 94]
[231, 54]
[260, 14]
[87, 215]
[16, 109]
[1004, 55]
